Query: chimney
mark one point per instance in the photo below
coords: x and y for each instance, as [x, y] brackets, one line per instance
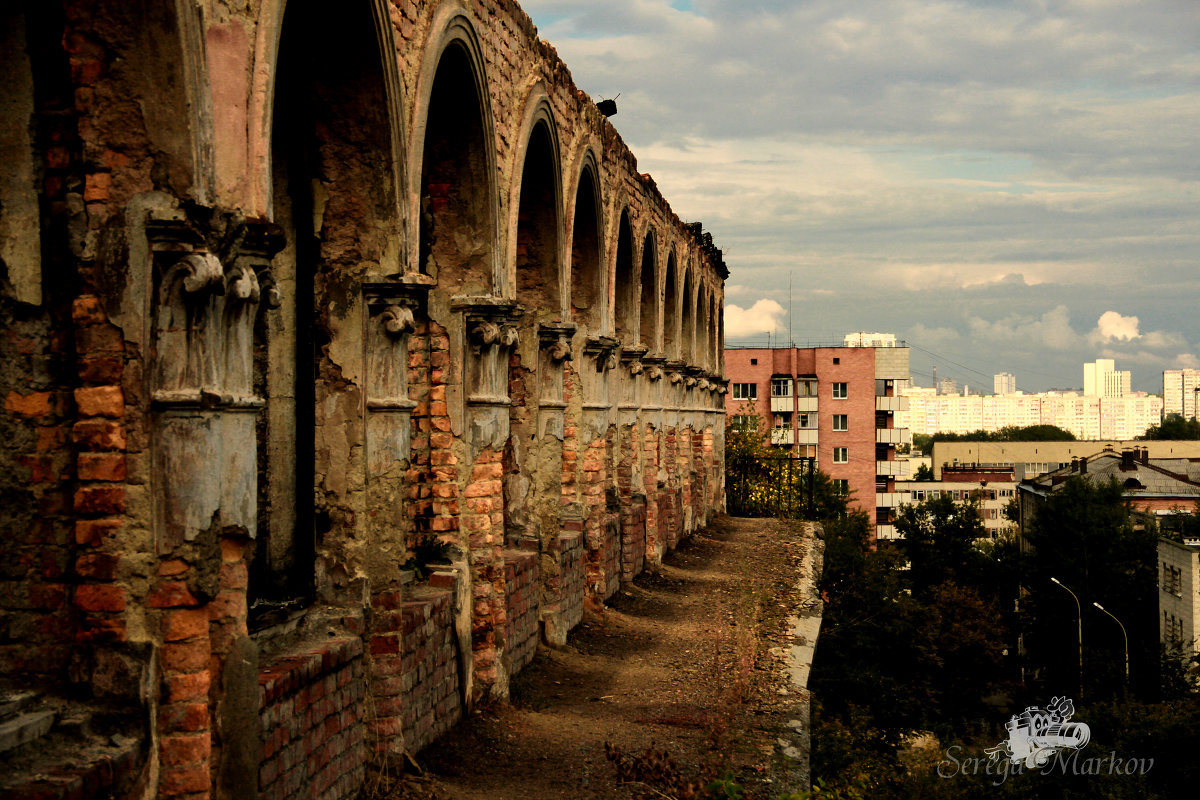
[1126, 460]
[1145, 455]
[1083, 466]
[1074, 464]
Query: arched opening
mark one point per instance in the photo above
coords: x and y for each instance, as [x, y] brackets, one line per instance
[699, 356]
[537, 226]
[649, 292]
[586, 286]
[457, 235]
[625, 289]
[687, 326]
[333, 194]
[713, 359]
[671, 310]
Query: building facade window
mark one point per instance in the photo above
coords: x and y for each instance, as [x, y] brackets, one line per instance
[839, 391]
[841, 422]
[783, 420]
[806, 387]
[808, 421]
[781, 387]
[841, 455]
[743, 422]
[745, 391]
[841, 484]
[1172, 579]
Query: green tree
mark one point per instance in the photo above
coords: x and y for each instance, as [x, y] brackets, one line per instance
[1174, 426]
[938, 539]
[924, 473]
[1082, 535]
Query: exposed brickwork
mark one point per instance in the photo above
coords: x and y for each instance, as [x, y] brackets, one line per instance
[312, 728]
[522, 588]
[244, 416]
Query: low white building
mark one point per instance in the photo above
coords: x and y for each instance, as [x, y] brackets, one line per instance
[1179, 594]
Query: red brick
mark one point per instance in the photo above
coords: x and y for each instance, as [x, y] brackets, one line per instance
[100, 500]
[35, 404]
[101, 467]
[87, 310]
[99, 339]
[188, 686]
[99, 435]
[178, 750]
[97, 566]
[190, 623]
[227, 605]
[187, 657]
[100, 598]
[102, 369]
[183, 780]
[234, 576]
[94, 531]
[183, 717]
[232, 550]
[171, 594]
[172, 566]
[100, 401]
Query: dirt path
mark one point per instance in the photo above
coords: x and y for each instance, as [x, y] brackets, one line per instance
[681, 660]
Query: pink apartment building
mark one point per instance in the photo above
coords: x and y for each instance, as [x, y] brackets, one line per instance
[837, 404]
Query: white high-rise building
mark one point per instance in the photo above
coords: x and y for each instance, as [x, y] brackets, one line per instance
[1102, 379]
[1087, 417]
[1004, 383]
[1181, 392]
[865, 339]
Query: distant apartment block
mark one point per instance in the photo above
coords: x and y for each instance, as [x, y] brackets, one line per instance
[1181, 392]
[990, 487]
[837, 404]
[1086, 417]
[1004, 383]
[1101, 378]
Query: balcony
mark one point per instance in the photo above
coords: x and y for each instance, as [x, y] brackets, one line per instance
[891, 404]
[781, 404]
[806, 404]
[806, 436]
[783, 436]
[892, 499]
[893, 469]
[886, 532]
[893, 436]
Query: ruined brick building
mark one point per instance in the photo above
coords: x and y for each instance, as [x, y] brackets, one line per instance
[345, 354]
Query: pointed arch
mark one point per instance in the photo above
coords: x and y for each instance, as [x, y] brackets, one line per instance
[648, 284]
[687, 318]
[537, 243]
[670, 295]
[625, 288]
[334, 194]
[587, 257]
[453, 140]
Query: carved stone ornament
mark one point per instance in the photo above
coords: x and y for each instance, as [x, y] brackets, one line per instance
[635, 368]
[655, 373]
[397, 320]
[704, 384]
[689, 381]
[509, 337]
[484, 333]
[202, 272]
[676, 378]
[561, 351]
[243, 284]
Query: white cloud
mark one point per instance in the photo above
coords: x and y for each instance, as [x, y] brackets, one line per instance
[763, 317]
[1052, 330]
[1112, 326]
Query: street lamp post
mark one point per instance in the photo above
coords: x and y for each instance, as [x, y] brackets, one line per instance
[1079, 617]
[1123, 633]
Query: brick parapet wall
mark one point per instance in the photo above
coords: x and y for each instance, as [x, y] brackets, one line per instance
[311, 723]
[523, 598]
[562, 586]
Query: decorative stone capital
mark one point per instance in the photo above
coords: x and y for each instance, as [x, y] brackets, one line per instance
[397, 320]
[202, 272]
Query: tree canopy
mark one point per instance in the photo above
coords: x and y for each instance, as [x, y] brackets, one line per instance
[1009, 433]
[1174, 426]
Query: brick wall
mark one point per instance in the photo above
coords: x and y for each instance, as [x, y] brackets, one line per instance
[562, 595]
[312, 727]
[522, 594]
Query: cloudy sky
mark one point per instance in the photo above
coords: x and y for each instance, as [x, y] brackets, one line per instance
[1008, 186]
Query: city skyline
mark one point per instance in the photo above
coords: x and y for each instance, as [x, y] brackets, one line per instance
[1007, 188]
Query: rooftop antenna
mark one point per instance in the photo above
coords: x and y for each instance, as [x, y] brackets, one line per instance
[791, 339]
